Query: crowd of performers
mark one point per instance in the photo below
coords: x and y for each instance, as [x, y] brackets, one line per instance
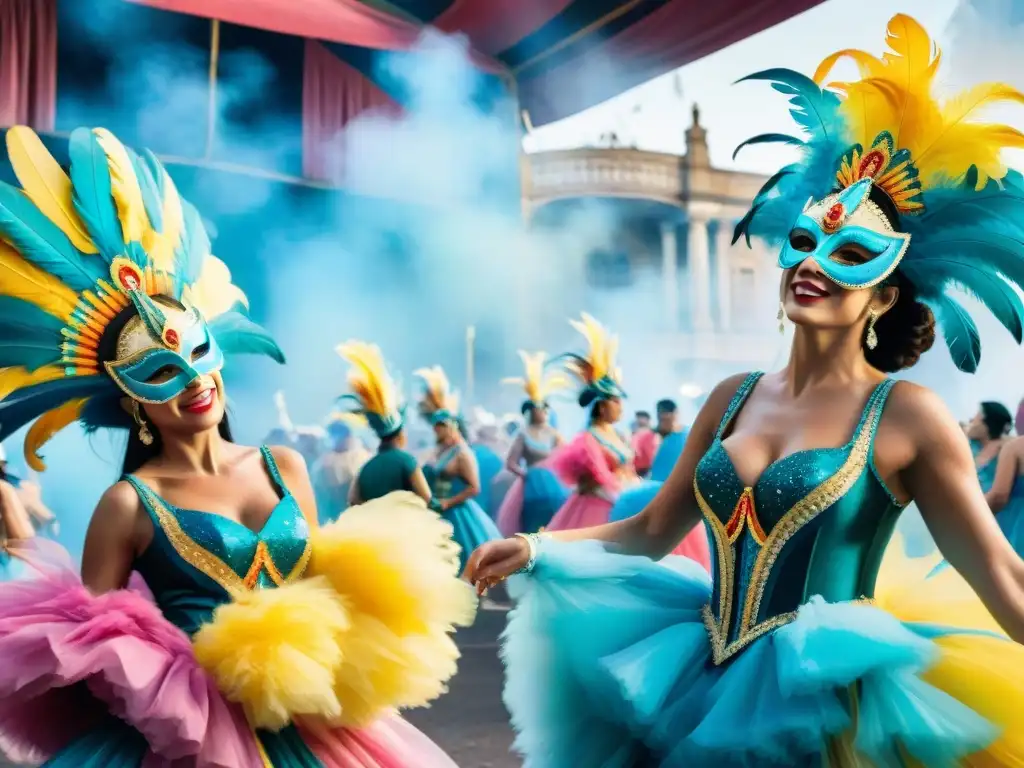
[229, 614]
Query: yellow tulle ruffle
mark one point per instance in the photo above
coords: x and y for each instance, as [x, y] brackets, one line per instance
[368, 630]
[984, 672]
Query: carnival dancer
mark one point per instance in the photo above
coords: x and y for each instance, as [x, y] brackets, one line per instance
[598, 461]
[671, 439]
[537, 493]
[988, 432]
[452, 471]
[378, 399]
[16, 529]
[272, 642]
[336, 469]
[485, 442]
[795, 653]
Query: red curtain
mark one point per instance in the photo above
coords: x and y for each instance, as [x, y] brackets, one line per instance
[675, 34]
[333, 93]
[495, 25]
[28, 63]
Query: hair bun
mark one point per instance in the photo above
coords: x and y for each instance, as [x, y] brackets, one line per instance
[904, 333]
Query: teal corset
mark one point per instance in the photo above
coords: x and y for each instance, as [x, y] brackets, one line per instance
[442, 485]
[198, 560]
[815, 523]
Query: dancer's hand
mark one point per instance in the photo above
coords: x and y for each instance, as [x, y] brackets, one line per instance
[495, 561]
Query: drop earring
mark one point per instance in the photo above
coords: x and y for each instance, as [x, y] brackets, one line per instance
[872, 338]
[145, 436]
[781, 317]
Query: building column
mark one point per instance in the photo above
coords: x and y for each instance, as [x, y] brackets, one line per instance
[723, 274]
[670, 273]
[698, 260]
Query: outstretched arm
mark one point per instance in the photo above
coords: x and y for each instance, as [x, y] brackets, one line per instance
[941, 478]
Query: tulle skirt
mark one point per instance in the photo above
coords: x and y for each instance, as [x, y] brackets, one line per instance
[500, 487]
[471, 527]
[609, 665]
[581, 510]
[531, 502]
[632, 501]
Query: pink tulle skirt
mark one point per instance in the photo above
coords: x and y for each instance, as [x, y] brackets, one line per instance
[510, 513]
[581, 511]
[68, 656]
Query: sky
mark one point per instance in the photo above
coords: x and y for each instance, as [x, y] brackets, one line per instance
[653, 117]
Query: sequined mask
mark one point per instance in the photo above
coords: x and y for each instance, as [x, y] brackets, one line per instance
[842, 219]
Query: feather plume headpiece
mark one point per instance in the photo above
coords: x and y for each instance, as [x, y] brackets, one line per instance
[438, 402]
[106, 278]
[596, 369]
[887, 139]
[536, 383]
[374, 392]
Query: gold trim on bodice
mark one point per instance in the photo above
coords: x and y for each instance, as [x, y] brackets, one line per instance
[770, 546]
[214, 567]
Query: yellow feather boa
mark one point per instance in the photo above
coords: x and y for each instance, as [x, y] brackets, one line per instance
[366, 632]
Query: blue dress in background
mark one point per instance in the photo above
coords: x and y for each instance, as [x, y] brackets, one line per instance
[488, 464]
[668, 454]
[471, 526]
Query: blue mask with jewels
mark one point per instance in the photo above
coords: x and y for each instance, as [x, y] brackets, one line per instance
[840, 220]
[162, 350]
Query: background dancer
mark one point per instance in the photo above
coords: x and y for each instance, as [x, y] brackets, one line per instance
[537, 493]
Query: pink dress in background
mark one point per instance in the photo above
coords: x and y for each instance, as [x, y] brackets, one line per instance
[598, 470]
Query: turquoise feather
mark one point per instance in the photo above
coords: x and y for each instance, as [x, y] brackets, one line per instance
[43, 243]
[25, 405]
[90, 178]
[152, 199]
[29, 336]
[236, 334]
[815, 110]
[193, 247]
[769, 138]
[959, 331]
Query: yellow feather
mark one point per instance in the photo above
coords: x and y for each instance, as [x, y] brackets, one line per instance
[213, 293]
[46, 185]
[124, 187]
[438, 394]
[161, 245]
[602, 347]
[12, 379]
[536, 385]
[369, 379]
[46, 426]
[24, 280]
[895, 94]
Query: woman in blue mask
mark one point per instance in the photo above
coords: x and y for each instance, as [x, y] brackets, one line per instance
[811, 644]
[263, 639]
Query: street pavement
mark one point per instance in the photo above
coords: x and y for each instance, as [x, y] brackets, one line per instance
[470, 722]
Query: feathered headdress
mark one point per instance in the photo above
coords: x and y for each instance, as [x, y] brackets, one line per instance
[960, 211]
[374, 392]
[596, 370]
[106, 278]
[535, 382]
[438, 403]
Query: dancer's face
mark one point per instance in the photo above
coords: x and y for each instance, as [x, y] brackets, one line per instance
[539, 416]
[199, 408]
[810, 299]
[611, 410]
[976, 428]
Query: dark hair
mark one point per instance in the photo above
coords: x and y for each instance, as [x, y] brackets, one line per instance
[997, 418]
[386, 441]
[666, 406]
[642, 415]
[907, 330]
[137, 453]
[528, 407]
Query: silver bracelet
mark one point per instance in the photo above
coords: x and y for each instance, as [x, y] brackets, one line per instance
[533, 542]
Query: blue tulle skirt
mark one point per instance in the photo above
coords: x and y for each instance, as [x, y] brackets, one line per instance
[489, 465]
[609, 666]
[632, 500]
[543, 495]
[471, 528]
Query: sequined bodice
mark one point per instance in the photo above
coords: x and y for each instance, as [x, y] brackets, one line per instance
[815, 523]
[444, 484]
[198, 560]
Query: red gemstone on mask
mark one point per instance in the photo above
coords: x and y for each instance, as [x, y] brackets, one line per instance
[871, 164]
[128, 278]
[171, 338]
[833, 217]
